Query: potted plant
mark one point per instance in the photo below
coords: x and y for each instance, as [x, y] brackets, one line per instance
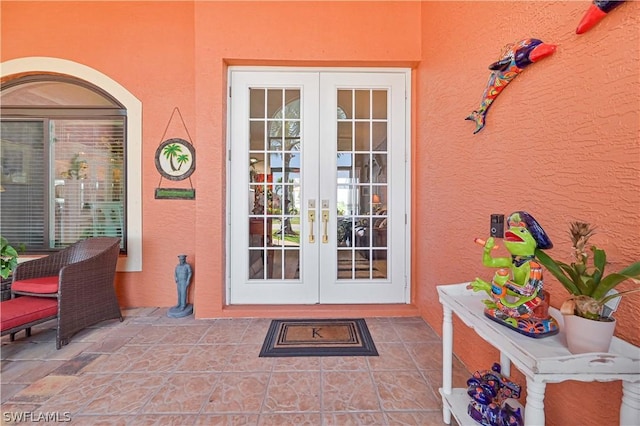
[590, 287]
[8, 262]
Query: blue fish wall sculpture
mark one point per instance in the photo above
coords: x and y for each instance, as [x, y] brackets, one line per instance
[513, 60]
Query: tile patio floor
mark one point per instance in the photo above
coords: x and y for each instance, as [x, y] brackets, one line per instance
[155, 370]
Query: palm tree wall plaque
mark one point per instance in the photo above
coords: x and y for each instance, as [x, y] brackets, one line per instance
[175, 159]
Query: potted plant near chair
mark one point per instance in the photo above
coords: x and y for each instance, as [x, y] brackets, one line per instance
[593, 298]
[8, 262]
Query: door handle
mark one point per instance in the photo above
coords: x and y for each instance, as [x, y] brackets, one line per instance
[311, 216]
[325, 225]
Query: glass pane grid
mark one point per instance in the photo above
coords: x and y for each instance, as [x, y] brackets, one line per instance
[274, 158]
[361, 187]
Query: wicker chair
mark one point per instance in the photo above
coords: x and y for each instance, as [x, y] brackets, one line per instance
[81, 277]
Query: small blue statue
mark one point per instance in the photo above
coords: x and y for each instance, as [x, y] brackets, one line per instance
[182, 277]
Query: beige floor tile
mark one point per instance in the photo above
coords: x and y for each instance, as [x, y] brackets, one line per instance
[182, 393]
[238, 393]
[349, 392]
[287, 419]
[108, 345]
[168, 334]
[411, 330]
[415, 418]
[161, 420]
[226, 420]
[345, 363]
[307, 363]
[119, 361]
[428, 356]
[73, 398]
[67, 352]
[375, 418]
[295, 392]
[226, 331]
[159, 359]
[26, 349]
[206, 358]
[126, 394]
[43, 389]
[256, 331]
[392, 356]
[27, 371]
[14, 413]
[381, 330]
[246, 358]
[9, 390]
[404, 390]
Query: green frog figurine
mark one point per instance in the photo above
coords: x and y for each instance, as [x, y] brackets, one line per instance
[518, 300]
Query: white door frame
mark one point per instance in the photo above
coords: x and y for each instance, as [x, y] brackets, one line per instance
[407, 162]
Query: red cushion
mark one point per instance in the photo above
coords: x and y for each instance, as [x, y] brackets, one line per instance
[41, 285]
[22, 310]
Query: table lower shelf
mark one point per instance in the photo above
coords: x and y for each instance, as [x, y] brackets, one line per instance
[457, 403]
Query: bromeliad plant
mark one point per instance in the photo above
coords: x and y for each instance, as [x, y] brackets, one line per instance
[587, 282]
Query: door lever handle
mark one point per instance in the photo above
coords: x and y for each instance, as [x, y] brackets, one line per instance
[325, 225]
[311, 216]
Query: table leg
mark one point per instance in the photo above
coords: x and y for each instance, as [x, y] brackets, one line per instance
[630, 407]
[505, 365]
[534, 409]
[447, 359]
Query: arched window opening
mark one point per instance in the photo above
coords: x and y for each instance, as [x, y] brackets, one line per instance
[63, 170]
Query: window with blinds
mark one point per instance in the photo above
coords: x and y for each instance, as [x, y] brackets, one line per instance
[62, 163]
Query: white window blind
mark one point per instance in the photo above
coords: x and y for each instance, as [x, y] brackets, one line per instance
[87, 158]
[24, 196]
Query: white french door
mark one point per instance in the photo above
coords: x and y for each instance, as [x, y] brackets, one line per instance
[318, 186]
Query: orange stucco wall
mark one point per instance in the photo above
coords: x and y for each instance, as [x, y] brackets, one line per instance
[562, 141]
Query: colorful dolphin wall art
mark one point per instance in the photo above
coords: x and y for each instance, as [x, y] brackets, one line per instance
[595, 13]
[513, 60]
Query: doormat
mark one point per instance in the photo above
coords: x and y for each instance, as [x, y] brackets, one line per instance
[318, 337]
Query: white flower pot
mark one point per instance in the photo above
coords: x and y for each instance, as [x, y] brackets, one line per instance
[585, 335]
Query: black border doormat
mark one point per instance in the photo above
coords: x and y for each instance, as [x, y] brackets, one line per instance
[318, 337]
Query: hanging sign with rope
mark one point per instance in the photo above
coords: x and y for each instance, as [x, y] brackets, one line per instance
[176, 161]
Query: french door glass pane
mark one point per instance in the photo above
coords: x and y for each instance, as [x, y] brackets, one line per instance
[274, 184]
[362, 188]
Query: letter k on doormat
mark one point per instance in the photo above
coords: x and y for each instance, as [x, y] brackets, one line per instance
[318, 337]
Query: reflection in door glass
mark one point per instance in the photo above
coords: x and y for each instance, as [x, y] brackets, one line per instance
[362, 188]
[275, 147]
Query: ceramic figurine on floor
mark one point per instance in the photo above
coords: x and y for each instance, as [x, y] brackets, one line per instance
[494, 399]
[518, 300]
[182, 277]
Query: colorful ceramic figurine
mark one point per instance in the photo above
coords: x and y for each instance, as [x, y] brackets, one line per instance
[595, 13]
[494, 399]
[513, 60]
[517, 297]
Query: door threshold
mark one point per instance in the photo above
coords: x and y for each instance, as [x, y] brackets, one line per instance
[320, 311]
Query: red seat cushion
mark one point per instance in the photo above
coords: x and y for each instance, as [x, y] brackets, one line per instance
[25, 309]
[42, 285]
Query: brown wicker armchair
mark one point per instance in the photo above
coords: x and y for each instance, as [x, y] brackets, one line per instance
[81, 276]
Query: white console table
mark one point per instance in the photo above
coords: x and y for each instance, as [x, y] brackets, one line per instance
[544, 360]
